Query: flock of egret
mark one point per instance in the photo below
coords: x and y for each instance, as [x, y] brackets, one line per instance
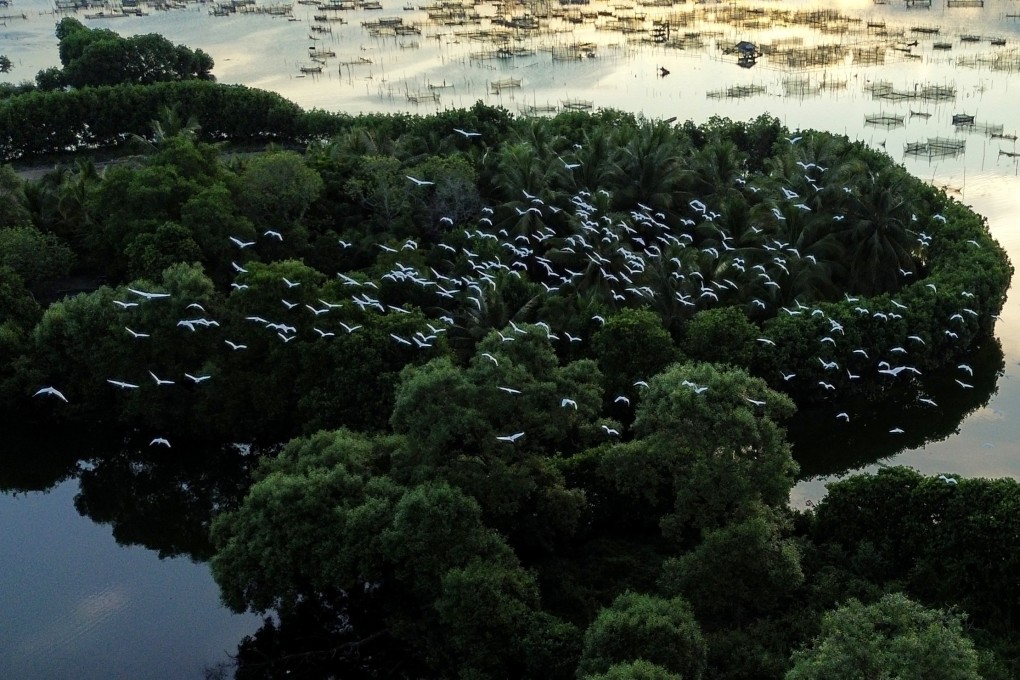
[639, 257]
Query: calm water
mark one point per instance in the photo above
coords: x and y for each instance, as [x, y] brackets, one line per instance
[77, 604]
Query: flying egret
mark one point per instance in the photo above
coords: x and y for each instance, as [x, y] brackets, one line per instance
[125, 305]
[160, 381]
[419, 182]
[564, 402]
[510, 437]
[160, 441]
[241, 244]
[121, 384]
[197, 378]
[52, 391]
[136, 334]
[490, 358]
[147, 295]
[235, 346]
[610, 431]
[510, 390]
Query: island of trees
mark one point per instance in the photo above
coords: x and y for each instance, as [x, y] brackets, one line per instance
[511, 391]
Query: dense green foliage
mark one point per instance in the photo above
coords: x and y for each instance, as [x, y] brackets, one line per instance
[892, 638]
[528, 385]
[92, 57]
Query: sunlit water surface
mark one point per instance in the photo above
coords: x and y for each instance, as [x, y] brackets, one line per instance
[77, 601]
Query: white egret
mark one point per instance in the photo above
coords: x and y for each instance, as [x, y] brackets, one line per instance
[147, 295]
[51, 391]
[161, 381]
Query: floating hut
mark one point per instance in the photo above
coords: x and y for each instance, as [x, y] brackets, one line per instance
[747, 53]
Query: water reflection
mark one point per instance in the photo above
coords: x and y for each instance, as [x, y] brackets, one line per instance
[927, 411]
[78, 605]
[161, 499]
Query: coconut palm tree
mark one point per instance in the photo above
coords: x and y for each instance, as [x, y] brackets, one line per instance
[649, 167]
[712, 172]
[876, 236]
